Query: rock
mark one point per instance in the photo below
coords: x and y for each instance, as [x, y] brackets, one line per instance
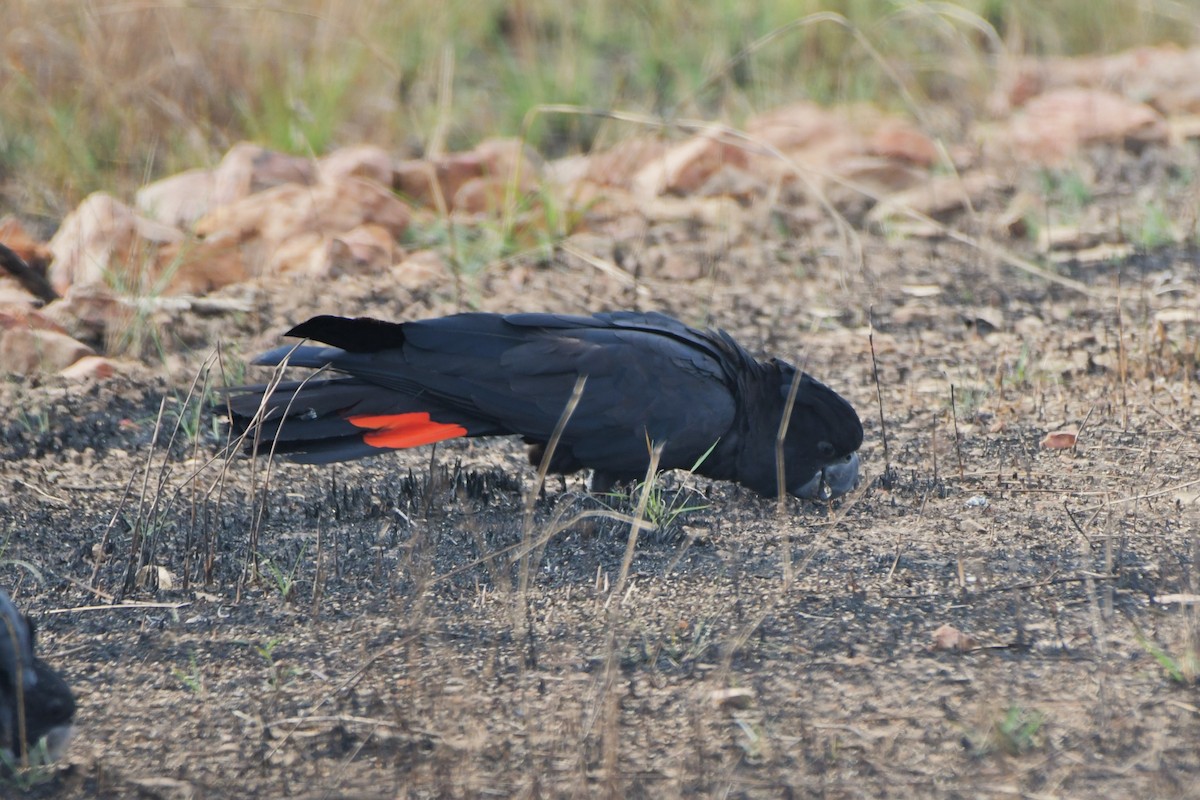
[246, 169]
[483, 195]
[806, 132]
[897, 138]
[735, 182]
[179, 200]
[12, 293]
[303, 253]
[877, 176]
[29, 350]
[1163, 77]
[351, 202]
[87, 239]
[797, 127]
[362, 161]
[103, 240]
[618, 166]
[250, 168]
[88, 312]
[284, 229]
[436, 182]
[1060, 440]
[90, 368]
[684, 168]
[1054, 126]
[367, 248]
[15, 315]
[279, 213]
[679, 266]
[200, 266]
[24, 261]
[947, 637]
[860, 145]
[568, 170]
[508, 158]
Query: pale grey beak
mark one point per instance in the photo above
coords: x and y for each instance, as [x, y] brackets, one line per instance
[57, 739]
[833, 481]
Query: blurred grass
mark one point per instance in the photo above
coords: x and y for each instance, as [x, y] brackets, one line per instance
[107, 95]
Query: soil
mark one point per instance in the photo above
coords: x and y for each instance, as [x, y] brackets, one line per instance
[371, 630]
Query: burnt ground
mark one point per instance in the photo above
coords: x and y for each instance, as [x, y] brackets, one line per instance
[368, 630]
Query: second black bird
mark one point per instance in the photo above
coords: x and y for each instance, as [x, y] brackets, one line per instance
[35, 702]
[650, 379]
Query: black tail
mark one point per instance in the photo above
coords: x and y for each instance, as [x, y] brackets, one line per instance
[326, 420]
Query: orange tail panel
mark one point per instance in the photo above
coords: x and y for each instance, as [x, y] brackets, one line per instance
[398, 431]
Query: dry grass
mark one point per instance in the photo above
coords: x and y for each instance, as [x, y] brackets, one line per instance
[107, 95]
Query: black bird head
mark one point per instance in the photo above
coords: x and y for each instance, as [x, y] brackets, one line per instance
[823, 433]
[35, 702]
[819, 452]
[820, 458]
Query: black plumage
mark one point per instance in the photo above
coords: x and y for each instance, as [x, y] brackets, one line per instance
[649, 379]
[35, 702]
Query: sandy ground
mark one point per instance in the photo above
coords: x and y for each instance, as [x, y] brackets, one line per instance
[389, 643]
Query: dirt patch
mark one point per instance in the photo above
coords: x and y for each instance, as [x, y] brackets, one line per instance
[361, 630]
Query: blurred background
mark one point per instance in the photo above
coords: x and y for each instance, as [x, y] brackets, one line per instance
[115, 94]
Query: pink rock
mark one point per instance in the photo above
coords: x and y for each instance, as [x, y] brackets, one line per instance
[684, 168]
[12, 293]
[305, 253]
[103, 240]
[179, 200]
[947, 637]
[506, 158]
[1054, 126]
[362, 161]
[17, 316]
[286, 228]
[619, 165]
[1163, 77]
[897, 138]
[806, 130]
[483, 195]
[28, 350]
[88, 312]
[250, 168]
[277, 214]
[199, 266]
[436, 182]
[367, 248]
[93, 367]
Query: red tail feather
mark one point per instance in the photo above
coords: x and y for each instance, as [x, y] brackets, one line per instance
[398, 431]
